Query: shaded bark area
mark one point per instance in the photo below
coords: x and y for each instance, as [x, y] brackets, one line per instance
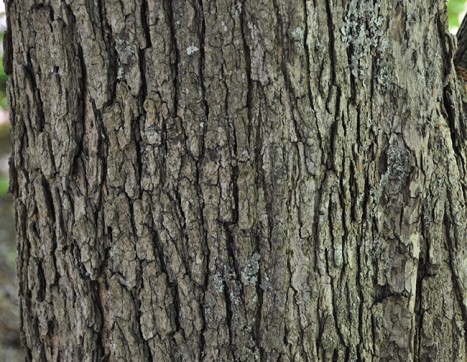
[238, 180]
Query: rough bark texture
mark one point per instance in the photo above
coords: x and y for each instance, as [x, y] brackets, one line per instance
[238, 180]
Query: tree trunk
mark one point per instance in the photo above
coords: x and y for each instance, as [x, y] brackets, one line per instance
[238, 180]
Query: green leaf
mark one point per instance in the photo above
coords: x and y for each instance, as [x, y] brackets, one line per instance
[3, 186]
[455, 10]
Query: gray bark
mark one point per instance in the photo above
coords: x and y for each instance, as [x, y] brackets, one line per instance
[238, 180]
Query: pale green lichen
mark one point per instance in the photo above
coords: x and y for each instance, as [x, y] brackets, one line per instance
[362, 32]
[398, 163]
[256, 354]
[192, 49]
[298, 33]
[224, 26]
[250, 272]
[234, 297]
[218, 282]
[265, 283]
[385, 78]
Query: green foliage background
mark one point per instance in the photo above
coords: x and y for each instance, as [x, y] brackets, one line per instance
[456, 8]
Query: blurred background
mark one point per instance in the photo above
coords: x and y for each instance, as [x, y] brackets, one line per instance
[456, 12]
[9, 309]
[10, 349]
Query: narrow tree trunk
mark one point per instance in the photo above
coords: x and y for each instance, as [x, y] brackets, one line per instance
[238, 180]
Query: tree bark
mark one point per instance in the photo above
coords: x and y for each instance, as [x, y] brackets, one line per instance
[238, 180]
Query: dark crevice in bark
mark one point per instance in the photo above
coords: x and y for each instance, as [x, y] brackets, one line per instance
[359, 275]
[82, 100]
[374, 328]
[42, 287]
[100, 289]
[235, 193]
[136, 135]
[202, 61]
[136, 127]
[423, 271]
[111, 52]
[285, 338]
[259, 305]
[308, 72]
[385, 292]
[230, 246]
[48, 199]
[371, 102]
[232, 141]
[176, 308]
[102, 150]
[338, 116]
[34, 228]
[144, 342]
[335, 356]
[354, 192]
[144, 23]
[343, 213]
[228, 311]
[164, 152]
[321, 327]
[359, 122]
[142, 57]
[122, 341]
[448, 45]
[330, 160]
[451, 116]
[43, 7]
[333, 297]
[182, 219]
[202, 340]
[343, 206]
[451, 246]
[12, 171]
[69, 14]
[332, 47]
[131, 216]
[316, 218]
[83, 85]
[174, 43]
[301, 335]
[419, 312]
[352, 78]
[158, 251]
[265, 184]
[7, 51]
[30, 73]
[58, 220]
[78, 264]
[202, 64]
[247, 60]
[142, 69]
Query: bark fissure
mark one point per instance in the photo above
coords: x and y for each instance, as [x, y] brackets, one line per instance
[459, 291]
[238, 180]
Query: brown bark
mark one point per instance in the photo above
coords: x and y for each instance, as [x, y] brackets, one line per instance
[238, 180]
